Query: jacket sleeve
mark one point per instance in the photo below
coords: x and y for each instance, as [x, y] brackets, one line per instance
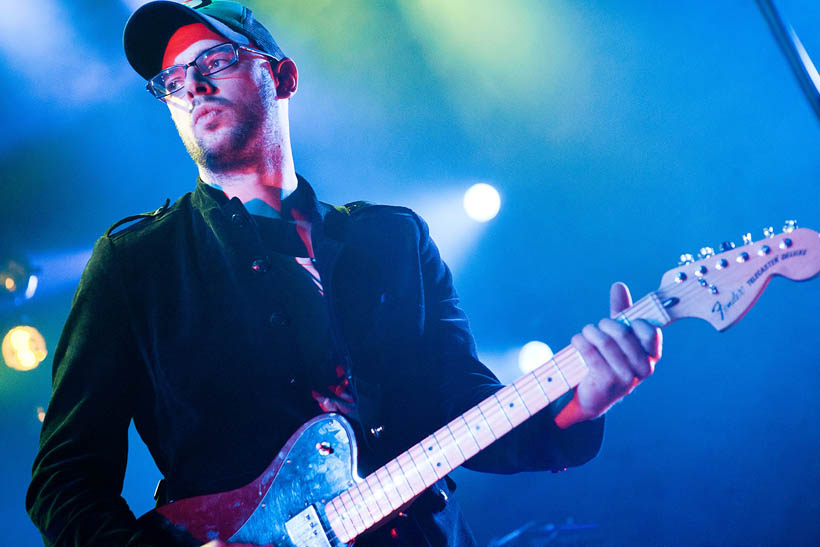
[462, 381]
[74, 497]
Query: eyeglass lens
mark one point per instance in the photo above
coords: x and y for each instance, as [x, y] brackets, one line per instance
[210, 61]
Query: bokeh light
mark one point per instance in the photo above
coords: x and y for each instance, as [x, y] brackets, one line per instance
[533, 355]
[24, 348]
[482, 202]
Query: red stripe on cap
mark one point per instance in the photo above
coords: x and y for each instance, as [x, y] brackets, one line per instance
[184, 37]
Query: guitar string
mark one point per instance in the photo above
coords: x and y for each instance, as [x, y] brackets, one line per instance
[565, 363]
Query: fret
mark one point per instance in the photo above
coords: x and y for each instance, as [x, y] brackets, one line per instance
[399, 480]
[573, 367]
[411, 473]
[478, 427]
[494, 414]
[344, 516]
[551, 380]
[352, 511]
[465, 440]
[376, 497]
[426, 468]
[386, 484]
[337, 523]
[369, 516]
[531, 393]
[436, 455]
[449, 446]
[648, 308]
[512, 405]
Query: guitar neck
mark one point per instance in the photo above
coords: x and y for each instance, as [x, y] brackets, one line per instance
[393, 485]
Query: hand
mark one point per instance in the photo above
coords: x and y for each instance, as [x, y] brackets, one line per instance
[619, 358]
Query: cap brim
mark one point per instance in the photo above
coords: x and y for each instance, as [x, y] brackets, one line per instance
[149, 28]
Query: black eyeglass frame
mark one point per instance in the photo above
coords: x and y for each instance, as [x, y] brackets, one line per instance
[154, 91]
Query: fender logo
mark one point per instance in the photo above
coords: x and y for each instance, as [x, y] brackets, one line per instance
[735, 298]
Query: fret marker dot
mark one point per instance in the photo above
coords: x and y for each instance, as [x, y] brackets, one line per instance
[549, 379]
[512, 405]
[430, 449]
[438, 464]
[477, 427]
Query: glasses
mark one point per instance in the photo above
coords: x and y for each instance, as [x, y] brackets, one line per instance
[212, 60]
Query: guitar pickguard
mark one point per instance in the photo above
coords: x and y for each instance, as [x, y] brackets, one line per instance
[317, 463]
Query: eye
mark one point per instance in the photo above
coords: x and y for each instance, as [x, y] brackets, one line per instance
[174, 84]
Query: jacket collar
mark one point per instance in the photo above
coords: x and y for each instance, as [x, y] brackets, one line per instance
[333, 221]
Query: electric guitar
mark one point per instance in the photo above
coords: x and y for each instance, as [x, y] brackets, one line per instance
[311, 496]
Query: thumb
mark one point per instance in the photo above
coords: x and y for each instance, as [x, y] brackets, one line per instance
[619, 298]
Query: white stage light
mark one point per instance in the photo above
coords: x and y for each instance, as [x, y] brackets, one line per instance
[533, 355]
[482, 202]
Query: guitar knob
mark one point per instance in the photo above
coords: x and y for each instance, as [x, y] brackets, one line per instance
[768, 232]
[727, 246]
[685, 258]
[790, 226]
[747, 238]
[706, 252]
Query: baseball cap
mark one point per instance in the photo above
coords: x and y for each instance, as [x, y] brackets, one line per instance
[150, 27]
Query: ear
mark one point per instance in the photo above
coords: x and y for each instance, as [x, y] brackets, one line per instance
[286, 78]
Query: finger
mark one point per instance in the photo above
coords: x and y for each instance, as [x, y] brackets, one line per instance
[610, 356]
[628, 341]
[619, 298]
[650, 337]
[602, 376]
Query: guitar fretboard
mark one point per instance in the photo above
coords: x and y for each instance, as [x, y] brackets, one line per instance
[392, 486]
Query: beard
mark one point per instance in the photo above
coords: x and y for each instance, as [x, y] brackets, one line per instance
[230, 147]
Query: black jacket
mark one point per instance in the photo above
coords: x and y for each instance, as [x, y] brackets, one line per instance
[181, 324]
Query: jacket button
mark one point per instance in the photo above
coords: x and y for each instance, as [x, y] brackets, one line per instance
[278, 318]
[260, 265]
[238, 219]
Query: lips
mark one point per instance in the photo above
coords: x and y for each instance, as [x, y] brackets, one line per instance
[204, 111]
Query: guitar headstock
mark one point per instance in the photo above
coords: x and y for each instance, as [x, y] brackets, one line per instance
[722, 287]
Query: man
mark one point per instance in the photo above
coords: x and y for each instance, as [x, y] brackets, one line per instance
[222, 323]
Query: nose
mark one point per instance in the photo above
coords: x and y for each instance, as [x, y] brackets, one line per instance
[197, 84]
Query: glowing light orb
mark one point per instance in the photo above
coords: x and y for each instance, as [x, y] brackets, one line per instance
[24, 348]
[482, 202]
[533, 355]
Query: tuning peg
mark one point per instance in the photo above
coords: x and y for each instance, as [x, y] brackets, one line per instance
[706, 252]
[685, 258]
[726, 246]
[768, 232]
[790, 226]
[747, 238]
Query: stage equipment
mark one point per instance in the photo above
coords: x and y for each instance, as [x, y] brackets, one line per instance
[797, 56]
[18, 279]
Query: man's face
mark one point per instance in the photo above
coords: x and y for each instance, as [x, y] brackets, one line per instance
[221, 118]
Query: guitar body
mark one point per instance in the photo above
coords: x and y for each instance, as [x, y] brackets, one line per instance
[311, 496]
[284, 505]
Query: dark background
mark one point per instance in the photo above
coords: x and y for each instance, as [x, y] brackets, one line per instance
[619, 133]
